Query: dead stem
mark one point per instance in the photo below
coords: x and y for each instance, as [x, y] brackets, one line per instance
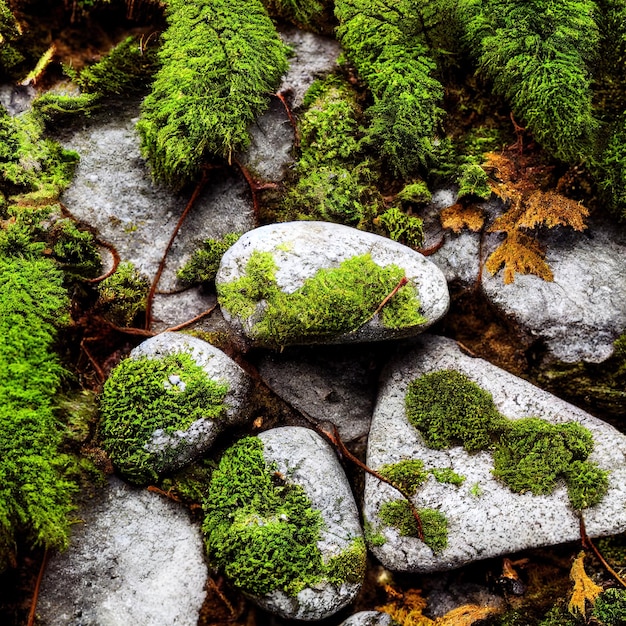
[33, 606]
[588, 545]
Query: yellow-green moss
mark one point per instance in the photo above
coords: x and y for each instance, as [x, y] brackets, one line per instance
[407, 475]
[397, 513]
[204, 263]
[122, 296]
[262, 532]
[530, 454]
[333, 302]
[447, 475]
[145, 394]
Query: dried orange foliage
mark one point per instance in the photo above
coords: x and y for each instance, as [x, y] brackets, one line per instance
[458, 216]
[466, 615]
[407, 609]
[519, 253]
[585, 590]
[517, 180]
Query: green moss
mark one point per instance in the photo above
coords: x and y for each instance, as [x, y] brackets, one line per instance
[263, 533]
[476, 490]
[402, 227]
[407, 475]
[145, 394]
[447, 475]
[75, 249]
[333, 302]
[529, 454]
[610, 607]
[559, 616]
[204, 263]
[122, 296]
[300, 12]
[415, 193]
[397, 513]
[449, 409]
[473, 181]
[219, 61]
[610, 168]
[372, 536]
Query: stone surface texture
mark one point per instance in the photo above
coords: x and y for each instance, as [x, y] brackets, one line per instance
[113, 192]
[307, 460]
[368, 618]
[301, 249]
[174, 450]
[580, 314]
[135, 558]
[485, 518]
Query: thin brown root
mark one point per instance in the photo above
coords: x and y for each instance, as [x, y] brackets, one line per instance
[33, 605]
[588, 545]
[197, 318]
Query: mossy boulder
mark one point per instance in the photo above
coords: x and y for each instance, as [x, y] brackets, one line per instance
[282, 524]
[530, 462]
[315, 282]
[165, 405]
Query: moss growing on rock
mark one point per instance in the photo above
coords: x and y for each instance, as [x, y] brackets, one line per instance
[75, 249]
[397, 513]
[447, 475]
[204, 263]
[332, 302]
[401, 227]
[610, 607]
[122, 296]
[145, 394]
[408, 475]
[262, 531]
[530, 454]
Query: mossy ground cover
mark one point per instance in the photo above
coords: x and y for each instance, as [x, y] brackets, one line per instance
[262, 531]
[529, 454]
[333, 302]
[145, 394]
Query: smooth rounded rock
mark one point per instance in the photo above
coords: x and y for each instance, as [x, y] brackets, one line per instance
[171, 450]
[299, 250]
[368, 618]
[134, 558]
[485, 518]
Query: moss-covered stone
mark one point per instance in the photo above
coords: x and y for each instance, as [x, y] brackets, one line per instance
[144, 394]
[447, 475]
[204, 263]
[408, 475]
[398, 514]
[262, 531]
[332, 302]
[122, 296]
[529, 454]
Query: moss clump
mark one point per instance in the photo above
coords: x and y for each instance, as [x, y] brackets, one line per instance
[401, 227]
[610, 169]
[408, 475]
[122, 296]
[333, 302]
[397, 513]
[75, 249]
[263, 533]
[529, 454]
[145, 394]
[219, 60]
[610, 607]
[447, 475]
[449, 409]
[203, 265]
[349, 565]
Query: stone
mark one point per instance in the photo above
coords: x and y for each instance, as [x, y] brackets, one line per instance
[172, 450]
[135, 558]
[300, 456]
[485, 518]
[114, 193]
[300, 250]
[579, 315]
[368, 618]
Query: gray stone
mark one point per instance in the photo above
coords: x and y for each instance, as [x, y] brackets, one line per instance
[307, 460]
[174, 450]
[580, 314]
[368, 618]
[114, 193]
[485, 518]
[301, 249]
[135, 558]
[326, 385]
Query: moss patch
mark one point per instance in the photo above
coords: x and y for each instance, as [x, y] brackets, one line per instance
[262, 531]
[145, 394]
[204, 263]
[122, 296]
[530, 454]
[331, 303]
[397, 513]
[447, 475]
[408, 475]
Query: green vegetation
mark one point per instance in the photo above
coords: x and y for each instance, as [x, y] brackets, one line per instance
[390, 53]
[75, 250]
[447, 475]
[538, 55]
[10, 31]
[203, 265]
[220, 60]
[610, 168]
[145, 394]
[331, 303]
[529, 454]
[262, 531]
[397, 513]
[402, 227]
[122, 296]
[408, 475]
[300, 12]
[610, 607]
